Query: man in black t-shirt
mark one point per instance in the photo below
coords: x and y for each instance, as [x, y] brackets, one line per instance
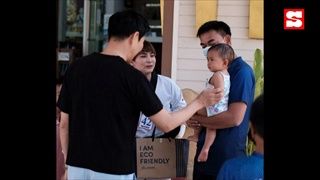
[100, 101]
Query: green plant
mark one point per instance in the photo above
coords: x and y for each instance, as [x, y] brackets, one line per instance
[259, 75]
[250, 147]
[258, 72]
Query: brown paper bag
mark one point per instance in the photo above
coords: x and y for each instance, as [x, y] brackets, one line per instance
[162, 157]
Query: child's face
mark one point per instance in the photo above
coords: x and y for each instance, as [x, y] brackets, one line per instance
[145, 62]
[215, 62]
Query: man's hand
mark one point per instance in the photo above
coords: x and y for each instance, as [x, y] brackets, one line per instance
[193, 121]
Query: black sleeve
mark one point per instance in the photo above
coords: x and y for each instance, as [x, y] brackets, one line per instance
[171, 134]
[144, 95]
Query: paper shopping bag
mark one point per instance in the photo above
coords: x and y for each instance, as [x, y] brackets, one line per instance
[162, 157]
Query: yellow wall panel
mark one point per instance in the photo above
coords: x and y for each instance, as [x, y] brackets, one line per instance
[256, 19]
[206, 10]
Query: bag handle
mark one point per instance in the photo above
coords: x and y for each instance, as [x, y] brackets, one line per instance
[153, 135]
[153, 81]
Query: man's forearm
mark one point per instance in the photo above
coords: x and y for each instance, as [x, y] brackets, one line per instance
[167, 121]
[230, 118]
[64, 133]
[219, 121]
[64, 142]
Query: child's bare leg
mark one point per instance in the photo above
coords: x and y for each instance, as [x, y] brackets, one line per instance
[210, 136]
[195, 135]
[196, 132]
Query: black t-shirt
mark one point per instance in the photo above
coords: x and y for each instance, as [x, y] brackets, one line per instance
[103, 96]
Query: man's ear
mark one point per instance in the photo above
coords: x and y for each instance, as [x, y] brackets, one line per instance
[227, 38]
[134, 37]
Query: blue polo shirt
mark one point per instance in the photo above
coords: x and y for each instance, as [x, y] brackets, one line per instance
[230, 142]
[243, 168]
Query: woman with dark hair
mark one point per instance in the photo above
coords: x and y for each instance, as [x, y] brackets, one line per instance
[166, 89]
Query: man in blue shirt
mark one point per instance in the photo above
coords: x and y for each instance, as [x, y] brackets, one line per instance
[232, 125]
[251, 167]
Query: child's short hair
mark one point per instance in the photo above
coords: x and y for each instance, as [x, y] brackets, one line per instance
[224, 50]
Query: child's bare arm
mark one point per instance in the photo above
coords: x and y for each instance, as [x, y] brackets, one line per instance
[217, 80]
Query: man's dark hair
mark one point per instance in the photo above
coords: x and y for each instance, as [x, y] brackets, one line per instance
[122, 24]
[221, 27]
[257, 115]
